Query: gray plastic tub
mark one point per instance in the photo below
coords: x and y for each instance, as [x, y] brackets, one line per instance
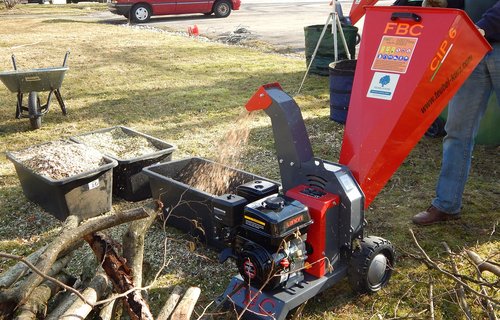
[129, 182]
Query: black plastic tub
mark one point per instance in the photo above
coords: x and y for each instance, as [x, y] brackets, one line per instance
[188, 208]
[129, 182]
[85, 195]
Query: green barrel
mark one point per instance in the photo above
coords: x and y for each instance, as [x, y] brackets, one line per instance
[326, 52]
[488, 134]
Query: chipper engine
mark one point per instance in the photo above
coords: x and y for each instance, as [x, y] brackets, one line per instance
[293, 244]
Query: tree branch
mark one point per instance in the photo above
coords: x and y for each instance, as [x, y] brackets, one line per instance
[448, 274]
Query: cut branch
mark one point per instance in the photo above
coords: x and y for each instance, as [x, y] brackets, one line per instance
[37, 302]
[482, 264]
[98, 287]
[459, 288]
[19, 269]
[169, 306]
[70, 234]
[433, 265]
[40, 273]
[431, 298]
[119, 274]
[185, 308]
[133, 245]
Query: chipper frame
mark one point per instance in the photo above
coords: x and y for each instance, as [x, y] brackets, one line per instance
[310, 235]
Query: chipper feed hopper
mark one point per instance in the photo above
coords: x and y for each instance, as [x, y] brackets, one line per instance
[294, 244]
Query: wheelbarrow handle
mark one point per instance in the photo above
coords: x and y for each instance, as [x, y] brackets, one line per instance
[65, 58]
[14, 62]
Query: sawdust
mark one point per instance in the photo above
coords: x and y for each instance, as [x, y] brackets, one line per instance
[60, 159]
[217, 179]
[119, 144]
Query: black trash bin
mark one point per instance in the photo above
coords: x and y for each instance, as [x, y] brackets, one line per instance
[341, 79]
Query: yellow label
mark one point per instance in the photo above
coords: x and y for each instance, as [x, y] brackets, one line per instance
[255, 220]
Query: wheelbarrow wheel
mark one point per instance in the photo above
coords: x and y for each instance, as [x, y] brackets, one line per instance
[34, 110]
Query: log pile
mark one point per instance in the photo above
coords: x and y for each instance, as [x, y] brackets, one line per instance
[38, 281]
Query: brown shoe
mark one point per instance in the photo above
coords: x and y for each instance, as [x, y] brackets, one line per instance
[433, 215]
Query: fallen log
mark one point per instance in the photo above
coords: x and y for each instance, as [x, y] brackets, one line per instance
[169, 306]
[185, 308]
[120, 275]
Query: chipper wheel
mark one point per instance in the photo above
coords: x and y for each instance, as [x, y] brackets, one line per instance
[371, 265]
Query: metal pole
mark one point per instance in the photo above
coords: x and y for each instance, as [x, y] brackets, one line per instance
[335, 17]
[315, 51]
[342, 36]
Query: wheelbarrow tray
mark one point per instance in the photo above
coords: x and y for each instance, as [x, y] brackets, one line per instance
[26, 81]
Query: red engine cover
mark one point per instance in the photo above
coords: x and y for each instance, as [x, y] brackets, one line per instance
[318, 202]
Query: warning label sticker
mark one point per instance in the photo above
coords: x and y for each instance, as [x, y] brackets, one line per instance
[394, 54]
[383, 86]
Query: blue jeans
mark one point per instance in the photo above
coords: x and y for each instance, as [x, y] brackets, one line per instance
[464, 115]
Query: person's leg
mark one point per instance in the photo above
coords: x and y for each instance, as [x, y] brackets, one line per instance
[464, 115]
[493, 63]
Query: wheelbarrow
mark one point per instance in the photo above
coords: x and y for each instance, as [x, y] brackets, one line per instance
[32, 82]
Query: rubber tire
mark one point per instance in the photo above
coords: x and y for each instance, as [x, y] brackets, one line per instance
[436, 129]
[143, 9]
[33, 109]
[222, 9]
[361, 260]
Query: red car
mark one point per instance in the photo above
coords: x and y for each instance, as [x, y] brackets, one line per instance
[142, 10]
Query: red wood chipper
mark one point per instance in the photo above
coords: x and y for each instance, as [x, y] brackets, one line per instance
[299, 242]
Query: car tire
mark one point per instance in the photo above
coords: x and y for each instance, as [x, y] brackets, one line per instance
[222, 9]
[140, 13]
[371, 265]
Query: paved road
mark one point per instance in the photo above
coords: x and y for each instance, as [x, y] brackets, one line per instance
[279, 22]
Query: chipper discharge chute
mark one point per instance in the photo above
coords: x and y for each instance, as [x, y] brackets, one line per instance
[358, 9]
[291, 245]
[411, 62]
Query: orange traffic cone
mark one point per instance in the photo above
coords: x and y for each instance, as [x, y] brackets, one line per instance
[193, 30]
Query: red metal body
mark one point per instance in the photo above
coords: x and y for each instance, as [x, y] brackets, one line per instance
[321, 230]
[358, 9]
[412, 61]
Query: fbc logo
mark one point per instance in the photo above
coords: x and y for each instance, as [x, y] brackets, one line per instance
[403, 29]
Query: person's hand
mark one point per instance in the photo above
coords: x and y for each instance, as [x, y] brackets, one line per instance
[481, 31]
[435, 3]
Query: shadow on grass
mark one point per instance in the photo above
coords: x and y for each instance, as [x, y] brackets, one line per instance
[162, 19]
